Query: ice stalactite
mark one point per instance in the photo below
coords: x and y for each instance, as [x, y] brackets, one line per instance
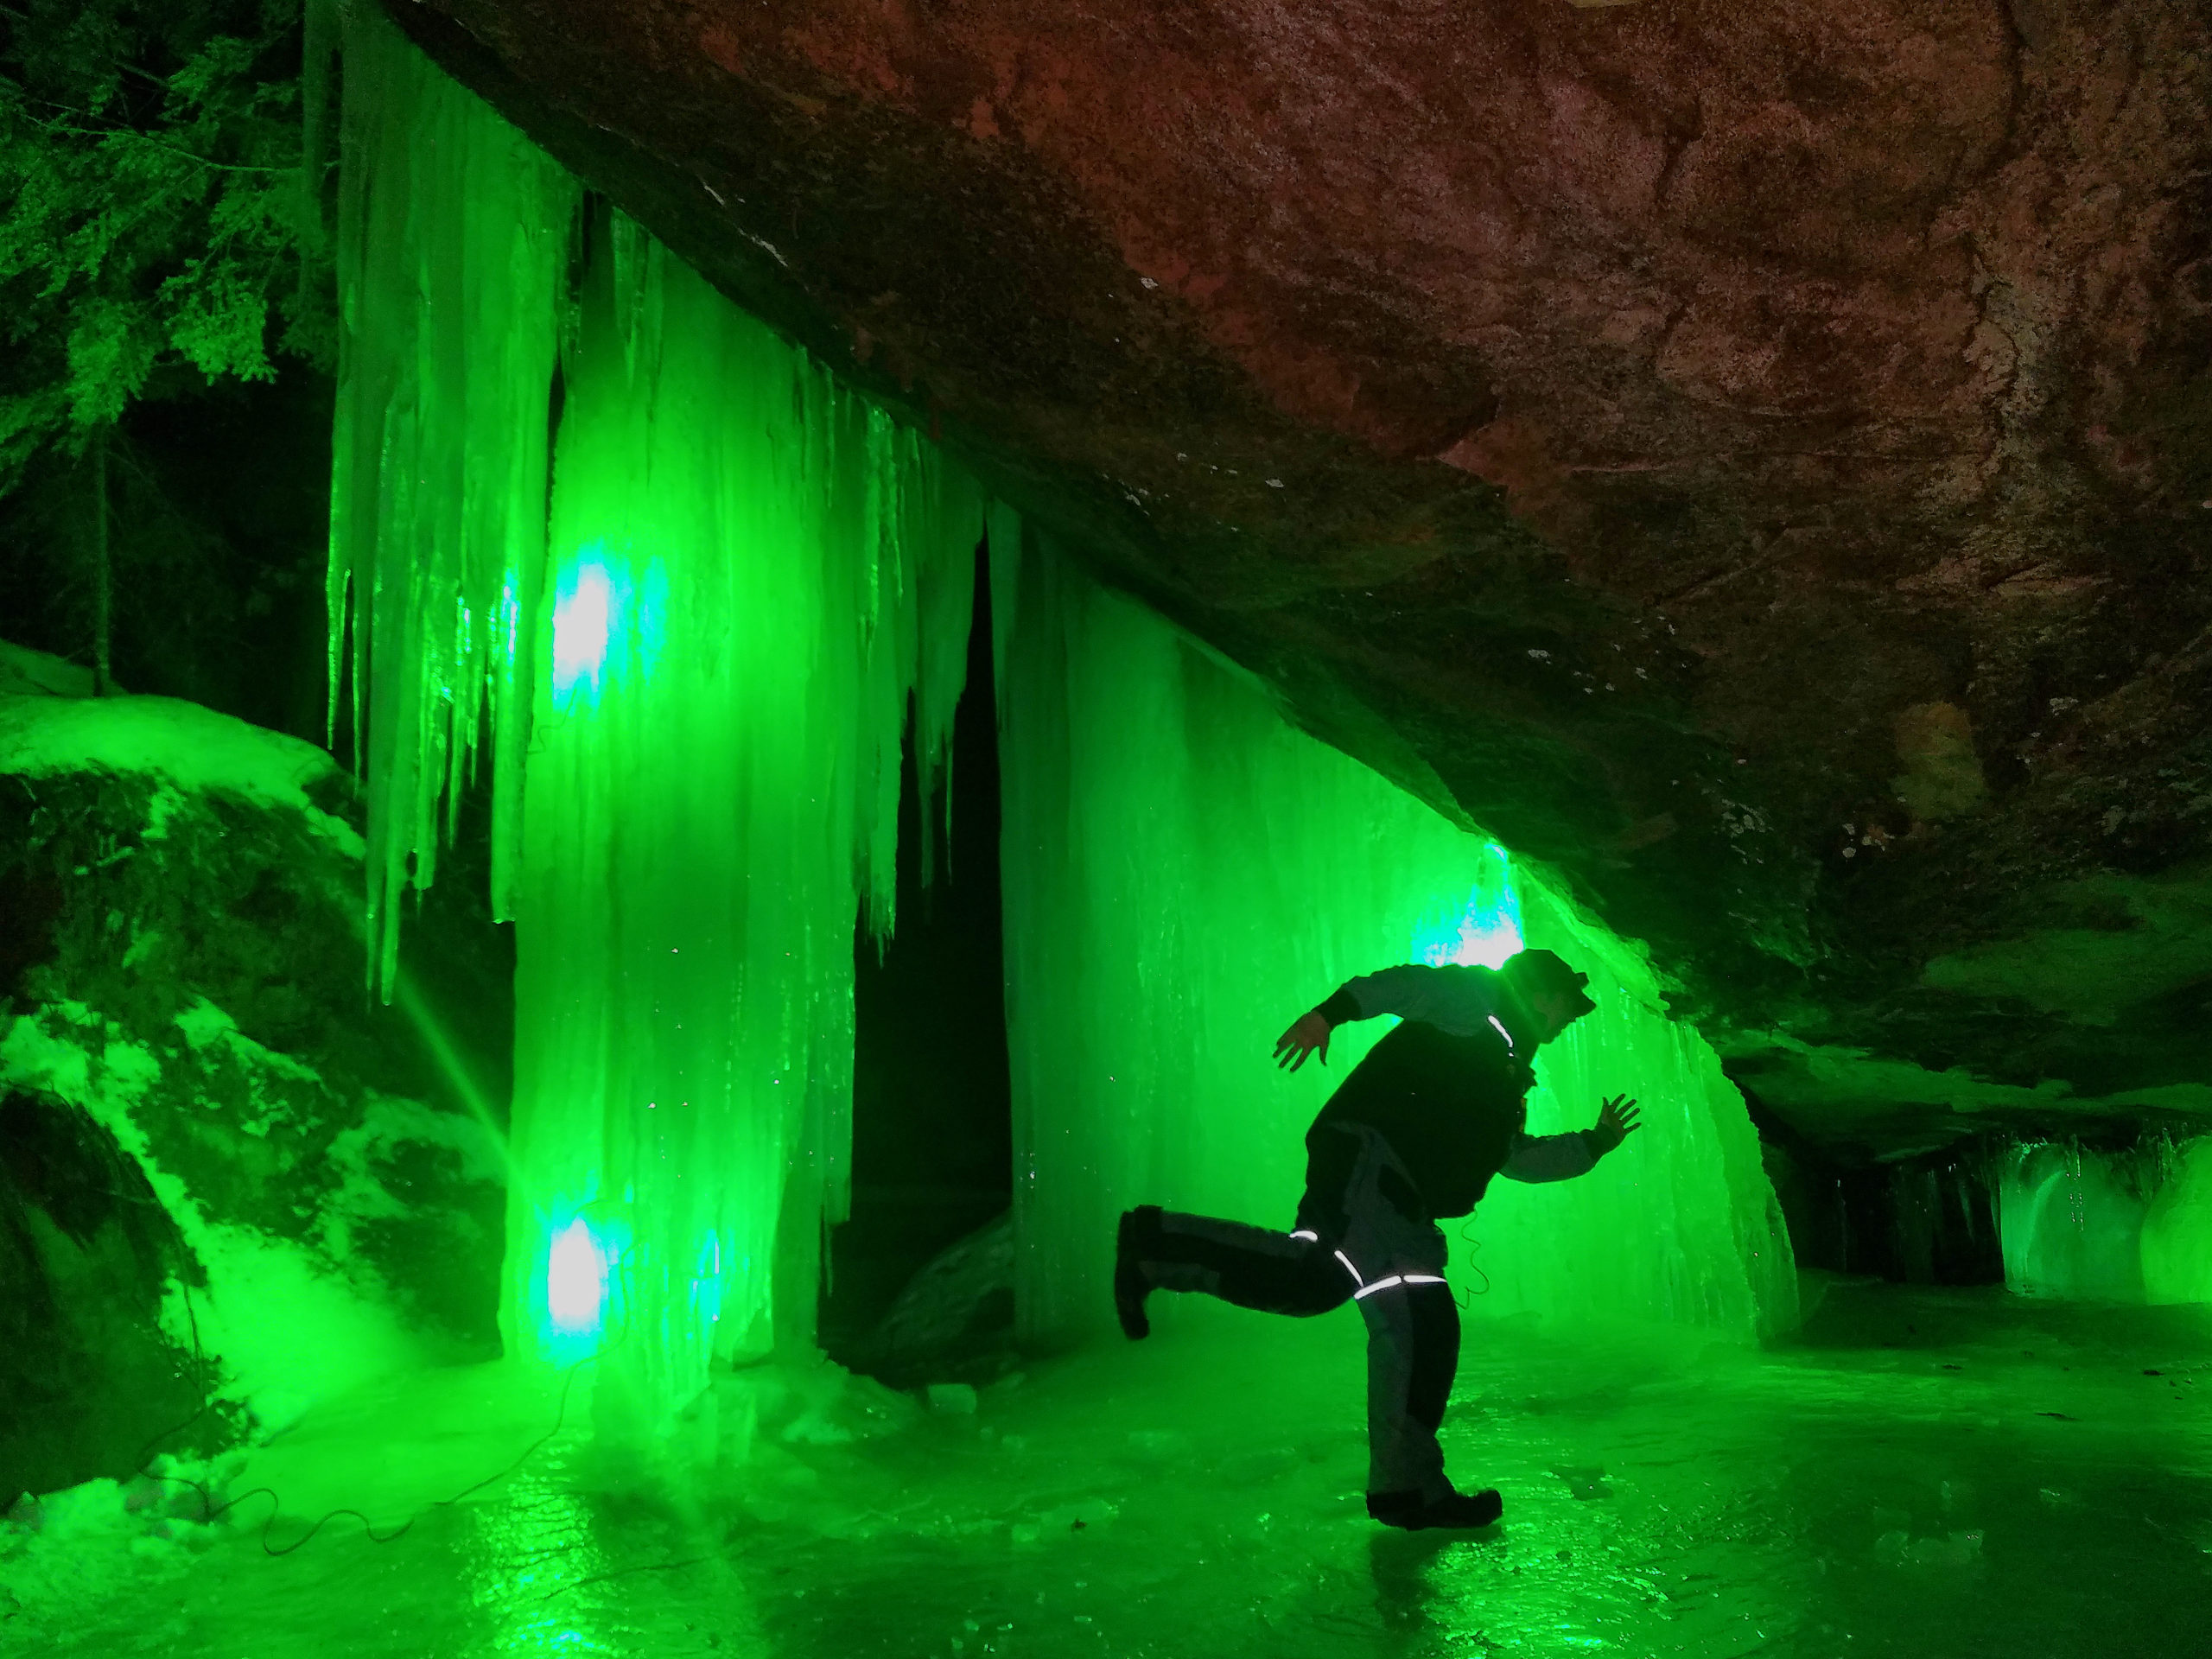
[752, 570]
[452, 250]
[2177, 1244]
[2116, 1225]
[2071, 1222]
[1186, 872]
[698, 677]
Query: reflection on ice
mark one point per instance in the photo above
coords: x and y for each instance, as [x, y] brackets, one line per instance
[1926, 1471]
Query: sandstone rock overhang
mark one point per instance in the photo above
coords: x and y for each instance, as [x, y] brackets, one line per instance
[1755, 460]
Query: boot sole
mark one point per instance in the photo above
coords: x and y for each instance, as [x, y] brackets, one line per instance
[1487, 1508]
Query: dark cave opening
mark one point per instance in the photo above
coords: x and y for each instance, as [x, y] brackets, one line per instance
[933, 1104]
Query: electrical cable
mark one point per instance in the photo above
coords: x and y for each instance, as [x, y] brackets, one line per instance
[1466, 1299]
[210, 1512]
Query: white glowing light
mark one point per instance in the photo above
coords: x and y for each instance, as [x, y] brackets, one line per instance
[576, 1280]
[583, 621]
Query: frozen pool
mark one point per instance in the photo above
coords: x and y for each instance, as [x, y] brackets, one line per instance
[1924, 1473]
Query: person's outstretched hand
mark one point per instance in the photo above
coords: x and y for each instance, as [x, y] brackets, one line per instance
[1616, 1122]
[1308, 1034]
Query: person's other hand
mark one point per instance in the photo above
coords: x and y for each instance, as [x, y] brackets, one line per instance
[1308, 1034]
[1616, 1122]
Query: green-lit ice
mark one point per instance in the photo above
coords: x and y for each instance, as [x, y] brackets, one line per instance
[1930, 1475]
[697, 667]
[1186, 871]
[699, 675]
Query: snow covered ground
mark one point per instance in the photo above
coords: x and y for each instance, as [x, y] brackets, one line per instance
[219, 1159]
[50, 726]
[1928, 1473]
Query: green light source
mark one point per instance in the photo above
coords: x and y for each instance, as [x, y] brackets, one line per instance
[583, 619]
[608, 619]
[575, 1282]
[1486, 927]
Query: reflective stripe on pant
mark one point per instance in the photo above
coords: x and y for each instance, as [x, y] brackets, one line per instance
[1413, 1349]
[1276, 1273]
[1392, 1262]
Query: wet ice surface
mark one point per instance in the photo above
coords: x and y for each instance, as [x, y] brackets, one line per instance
[1929, 1473]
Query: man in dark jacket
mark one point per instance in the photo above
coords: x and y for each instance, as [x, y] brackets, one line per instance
[1415, 1134]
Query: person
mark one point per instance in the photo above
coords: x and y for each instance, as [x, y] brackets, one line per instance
[1412, 1136]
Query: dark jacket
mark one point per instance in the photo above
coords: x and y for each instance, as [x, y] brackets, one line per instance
[1446, 1088]
[1453, 1107]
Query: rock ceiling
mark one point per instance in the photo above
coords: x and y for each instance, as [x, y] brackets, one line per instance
[1754, 457]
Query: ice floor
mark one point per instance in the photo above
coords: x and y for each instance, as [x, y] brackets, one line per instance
[1925, 1473]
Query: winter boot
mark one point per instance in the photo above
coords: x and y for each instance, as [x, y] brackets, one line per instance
[1139, 1227]
[1455, 1509]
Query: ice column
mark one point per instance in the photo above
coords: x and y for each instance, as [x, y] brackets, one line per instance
[452, 238]
[698, 681]
[2177, 1248]
[2070, 1221]
[1186, 872]
[2131, 1224]
[752, 570]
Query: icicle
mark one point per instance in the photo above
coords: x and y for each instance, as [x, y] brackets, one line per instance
[2177, 1230]
[452, 234]
[2086, 1224]
[1185, 872]
[2071, 1222]
[698, 683]
[924, 520]
[750, 577]
[945, 515]
[712, 792]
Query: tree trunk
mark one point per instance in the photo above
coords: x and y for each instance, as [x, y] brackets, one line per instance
[318, 28]
[103, 683]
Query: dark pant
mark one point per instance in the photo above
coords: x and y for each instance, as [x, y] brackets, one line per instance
[1392, 1263]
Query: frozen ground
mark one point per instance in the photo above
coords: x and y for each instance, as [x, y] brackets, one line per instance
[1927, 1473]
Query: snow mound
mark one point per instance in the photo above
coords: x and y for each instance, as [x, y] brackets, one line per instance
[25, 672]
[49, 727]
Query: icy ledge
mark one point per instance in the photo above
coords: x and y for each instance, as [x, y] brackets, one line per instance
[51, 725]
